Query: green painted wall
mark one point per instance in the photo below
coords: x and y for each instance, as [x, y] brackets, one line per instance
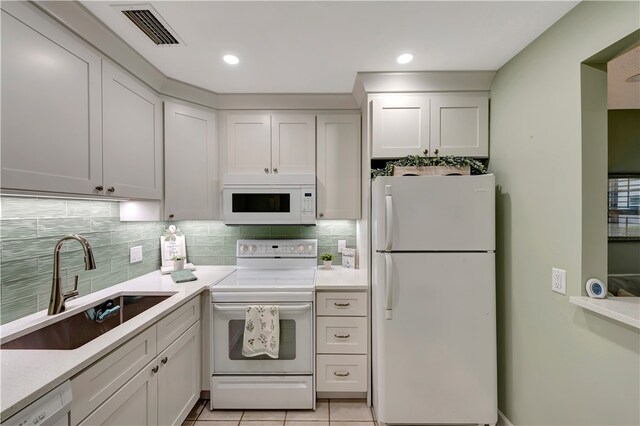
[624, 140]
[558, 364]
[30, 227]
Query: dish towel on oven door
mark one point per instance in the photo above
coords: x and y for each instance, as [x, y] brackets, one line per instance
[261, 331]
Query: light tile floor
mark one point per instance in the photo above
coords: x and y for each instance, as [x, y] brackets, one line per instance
[337, 412]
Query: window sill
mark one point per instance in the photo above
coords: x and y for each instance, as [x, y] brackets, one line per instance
[623, 309]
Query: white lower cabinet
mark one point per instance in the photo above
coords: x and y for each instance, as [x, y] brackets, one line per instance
[117, 391]
[341, 362]
[179, 377]
[136, 403]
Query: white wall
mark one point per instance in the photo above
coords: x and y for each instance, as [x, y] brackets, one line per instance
[558, 364]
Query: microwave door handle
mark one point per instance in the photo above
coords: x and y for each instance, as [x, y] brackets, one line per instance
[388, 203]
[286, 308]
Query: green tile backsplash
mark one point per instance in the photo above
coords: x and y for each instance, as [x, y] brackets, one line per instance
[30, 227]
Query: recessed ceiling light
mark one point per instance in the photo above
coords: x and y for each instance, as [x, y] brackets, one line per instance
[231, 59]
[405, 58]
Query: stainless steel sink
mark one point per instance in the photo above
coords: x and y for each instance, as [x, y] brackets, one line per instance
[79, 329]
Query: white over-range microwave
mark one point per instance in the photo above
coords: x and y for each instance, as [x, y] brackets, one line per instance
[269, 200]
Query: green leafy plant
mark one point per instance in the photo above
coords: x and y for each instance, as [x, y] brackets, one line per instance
[178, 258]
[327, 257]
[476, 167]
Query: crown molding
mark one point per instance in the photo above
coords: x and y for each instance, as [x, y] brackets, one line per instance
[421, 81]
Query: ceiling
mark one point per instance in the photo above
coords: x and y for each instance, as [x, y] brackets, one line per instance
[319, 46]
[623, 80]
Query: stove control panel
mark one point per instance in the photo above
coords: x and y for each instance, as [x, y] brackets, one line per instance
[277, 248]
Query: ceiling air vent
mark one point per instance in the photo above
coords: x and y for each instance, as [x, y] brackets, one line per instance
[149, 21]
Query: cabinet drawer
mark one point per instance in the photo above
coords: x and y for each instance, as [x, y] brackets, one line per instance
[342, 373]
[342, 304]
[95, 384]
[342, 335]
[177, 322]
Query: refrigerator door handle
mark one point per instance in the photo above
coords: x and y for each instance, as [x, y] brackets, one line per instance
[388, 202]
[388, 263]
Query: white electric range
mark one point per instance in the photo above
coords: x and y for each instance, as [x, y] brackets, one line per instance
[270, 272]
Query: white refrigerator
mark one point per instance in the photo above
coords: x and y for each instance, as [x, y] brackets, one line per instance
[433, 304]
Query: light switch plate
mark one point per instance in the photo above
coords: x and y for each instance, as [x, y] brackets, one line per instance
[135, 254]
[559, 280]
[341, 244]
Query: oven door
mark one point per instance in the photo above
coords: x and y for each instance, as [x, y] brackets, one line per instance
[296, 341]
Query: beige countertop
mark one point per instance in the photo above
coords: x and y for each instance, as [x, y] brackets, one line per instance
[623, 309]
[339, 278]
[26, 375]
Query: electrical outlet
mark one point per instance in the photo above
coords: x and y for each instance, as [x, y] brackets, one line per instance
[135, 254]
[341, 244]
[559, 280]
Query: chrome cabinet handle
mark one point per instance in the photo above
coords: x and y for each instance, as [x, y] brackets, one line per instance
[164, 360]
[111, 190]
[341, 336]
[342, 305]
[266, 170]
[275, 170]
[155, 369]
[99, 188]
[341, 373]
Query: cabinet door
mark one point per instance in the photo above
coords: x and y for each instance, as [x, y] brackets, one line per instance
[179, 377]
[190, 168]
[338, 183]
[248, 144]
[134, 404]
[460, 125]
[400, 126]
[132, 131]
[51, 106]
[293, 143]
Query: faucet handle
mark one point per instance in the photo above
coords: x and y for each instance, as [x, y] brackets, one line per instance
[73, 293]
[70, 295]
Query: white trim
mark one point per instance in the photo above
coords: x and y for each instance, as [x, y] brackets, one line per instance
[423, 81]
[503, 420]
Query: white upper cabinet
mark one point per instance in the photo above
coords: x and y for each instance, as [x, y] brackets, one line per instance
[248, 143]
[191, 175]
[451, 123]
[293, 148]
[72, 123]
[270, 143]
[51, 106]
[338, 171]
[132, 132]
[400, 126]
[460, 125]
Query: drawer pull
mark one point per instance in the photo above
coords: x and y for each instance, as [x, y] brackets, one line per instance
[164, 360]
[342, 304]
[341, 373]
[155, 369]
[341, 336]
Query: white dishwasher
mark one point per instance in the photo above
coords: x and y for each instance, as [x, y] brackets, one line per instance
[51, 409]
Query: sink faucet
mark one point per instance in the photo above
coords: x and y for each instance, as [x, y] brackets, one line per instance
[56, 303]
